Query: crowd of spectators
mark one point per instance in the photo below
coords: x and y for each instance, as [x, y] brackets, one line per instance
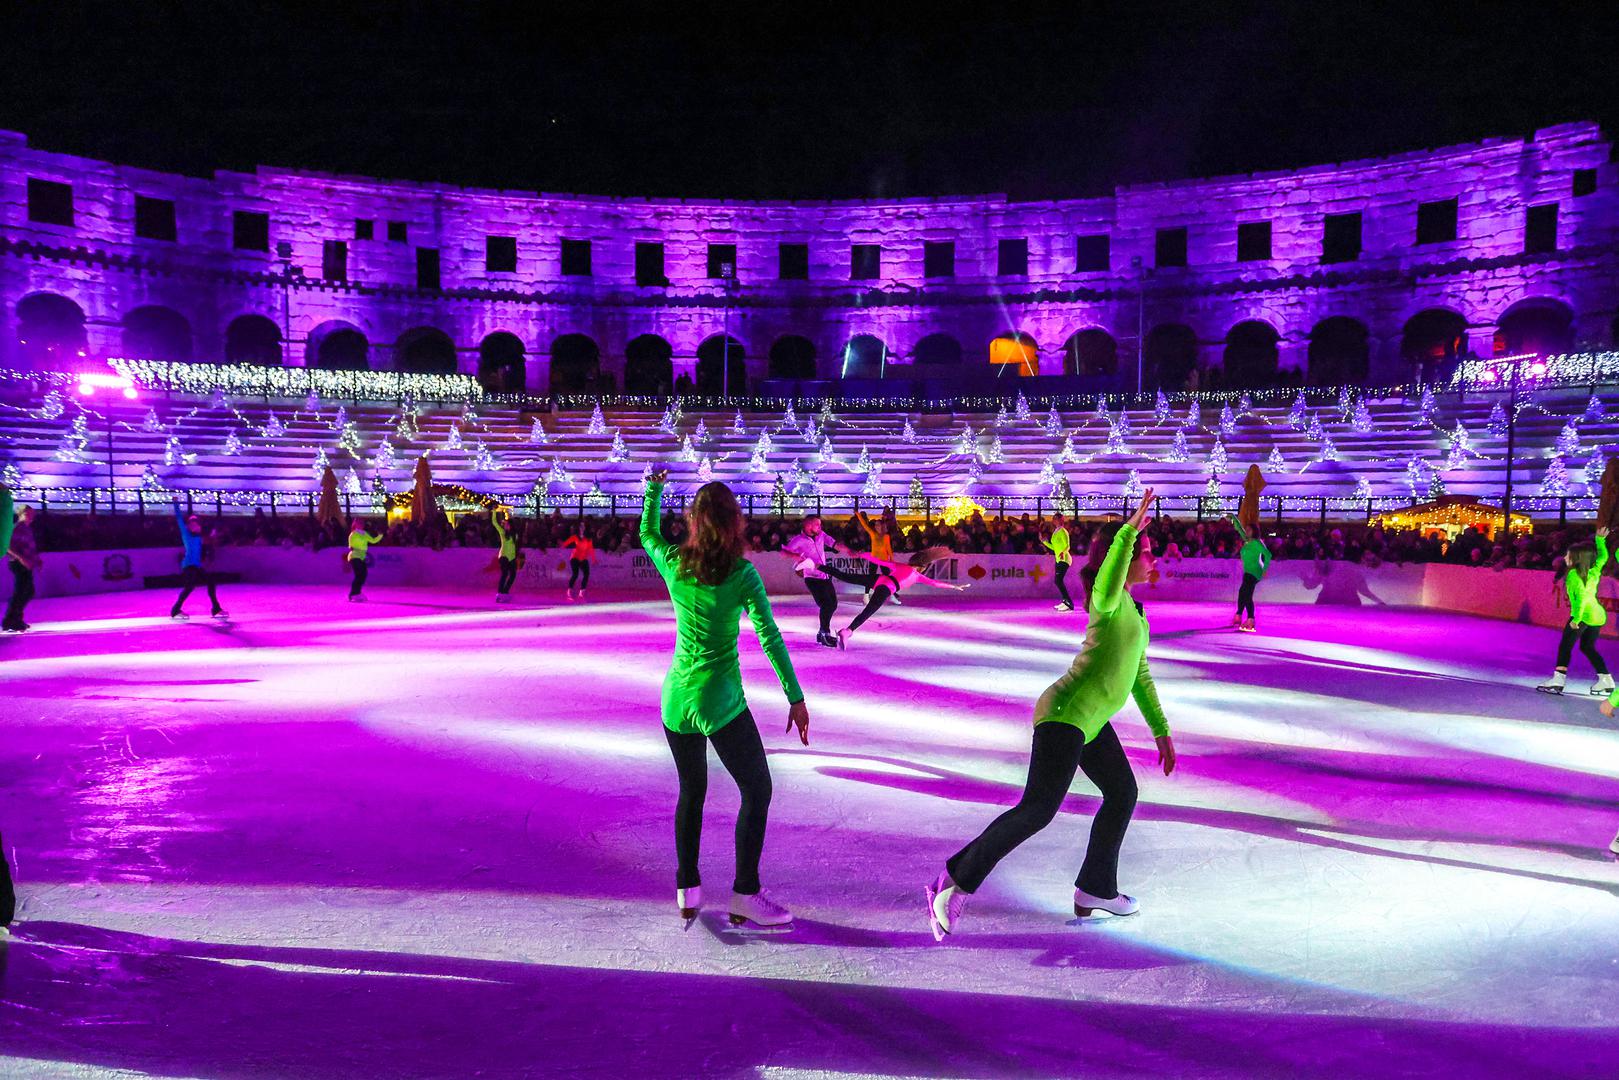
[1172, 538]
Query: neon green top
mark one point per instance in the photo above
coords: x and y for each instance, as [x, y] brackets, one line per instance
[1112, 664]
[1255, 555]
[1058, 545]
[360, 542]
[508, 542]
[8, 521]
[1584, 609]
[703, 690]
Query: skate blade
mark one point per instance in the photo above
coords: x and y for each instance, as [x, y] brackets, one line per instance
[1550, 690]
[1091, 913]
[742, 925]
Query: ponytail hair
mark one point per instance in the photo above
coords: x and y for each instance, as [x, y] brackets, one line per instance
[928, 556]
[714, 536]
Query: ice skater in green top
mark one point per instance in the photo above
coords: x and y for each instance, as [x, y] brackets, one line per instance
[359, 558]
[1059, 547]
[1582, 567]
[1073, 730]
[711, 584]
[502, 522]
[1255, 561]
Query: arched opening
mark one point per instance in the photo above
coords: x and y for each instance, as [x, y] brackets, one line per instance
[1340, 352]
[1433, 339]
[1540, 326]
[864, 357]
[50, 328]
[792, 357]
[156, 333]
[1016, 351]
[711, 355]
[425, 350]
[575, 364]
[1090, 352]
[1169, 356]
[937, 351]
[253, 339]
[649, 366]
[500, 364]
[339, 347]
[1250, 354]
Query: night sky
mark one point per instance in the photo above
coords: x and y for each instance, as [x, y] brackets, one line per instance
[795, 100]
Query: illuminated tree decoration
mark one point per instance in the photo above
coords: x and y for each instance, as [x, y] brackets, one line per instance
[349, 439]
[1363, 490]
[351, 482]
[975, 472]
[1345, 402]
[1178, 450]
[1594, 410]
[1228, 422]
[482, 459]
[75, 444]
[1329, 449]
[1102, 412]
[312, 402]
[218, 401]
[598, 422]
[1568, 440]
[739, 430]
[321, 463]
[1456, 453]
[1245, 404]
[688, 452]
[150, 481]
[826, 453]
[812, 432]
[1053, 423]
[1132, 486]
[863, 464]
[1312, 428]
[1298, 413]
[1276, 463]
[778, 491]
[558, 475]
[789, 419]
[341, 419]
[537, 435]
[873, 487]
[1000, 416]
[453, 440]
[908, 434]
[995, 454]
[596, 496]
[618, 452]
[826, 413]
[233, 444]
[1413, 478]
[1048, 473]
[966, 442]
[1595, 466]
[1362, 417]
[1021, 411]
[700, 435]
[705, 470]
[1115, 437]
[1498, 421]
[1427, 405]
[173, 452]
[51, 406]
[1194, 415]
[1555, 482]
[1160, 408]
[1063, 497]
[152, 423]
[1217, 458]
[1211, 496]
[1436, 487]
[11, 477]
[917, 499]
[273, 427]
[407, 429]
[1068, 454]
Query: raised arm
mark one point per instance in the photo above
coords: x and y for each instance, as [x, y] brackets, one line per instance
[865, 523]
[869, 557]
[923, 579]
[373, 539]
[652, 541]
[1602, 553]
[1109, 587]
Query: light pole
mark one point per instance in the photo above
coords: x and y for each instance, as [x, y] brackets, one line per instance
[1490, 375]
[728, 279]
[1141, 321]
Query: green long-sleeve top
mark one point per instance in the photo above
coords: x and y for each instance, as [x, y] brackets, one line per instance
[1112, 664]
[8, 521]
[703, 690]
[360, 542]
[1255, 555]
[508, 542]
[1584, 609]
[1058, 545]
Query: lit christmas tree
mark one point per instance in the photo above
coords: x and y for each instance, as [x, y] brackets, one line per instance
[1456, 453]
[321, 463]
[1498, 421]
[1436, 487]
[1021, 411]
[152, 423]
[705, 470]
[1115, 439]
[1228, 421]
[539, 497]
[349, 439]
[407, 429]
[1427, 405]
[994, 455]
[1312, 428]
[1000, 416]
[1297, 414]
[917, 499]
[453, 440]
[1363, 490]
[537, 435]
[975, 472]
[1413, 478]
[312, 402]
[1053, 423]
[1160, 408]
[1329, 449]
[1594, 468]
[218, 401]
[1102, 412]
[812, 432]
[596, 496]
[1122, 421]
[598, 422]
[1132, 486]
[826, 453]
[1362, 417]
[75, 445]
[173, 452]
[759, 462]
[273, 427]
[1048, 473]
[1194, 415]
[739, 430]
[482, 459]
[863, 465]
[1068, 454]
[688, 452]
[351, 482]
[700, 436]
[778, 491]
[908, 434]
[796, 477]
[873, 487]
[340, 419]
[1568, 440]
[233, 444]
[1555, 482]
[966, 442]
[11, 477]
[1344, 402]
[1178, 450]
[383, 459]
[51, 406]
[1063, 497]
[1594, 410]
[826, 413]
[1276, 463]
[558, 475]
[150, 481]
[789, 419]
[619, 452]
[668, 423]
[1211, 497]
[1245, 404]
[1217, 458]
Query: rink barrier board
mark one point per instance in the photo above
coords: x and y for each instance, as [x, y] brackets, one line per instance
[1528, 596]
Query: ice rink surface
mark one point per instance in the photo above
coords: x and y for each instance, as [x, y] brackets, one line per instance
[429, 836]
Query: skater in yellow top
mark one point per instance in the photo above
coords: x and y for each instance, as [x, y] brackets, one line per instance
[711, 583]
[1059, 547]
[360, 541]
[1582, 565]
[1073, 730]
[502, 521]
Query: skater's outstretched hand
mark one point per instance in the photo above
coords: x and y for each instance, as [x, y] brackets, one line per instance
[657, 476]
[1139, 518]
[1166, 753]
[1606, 707]
[798, 715]
[1603, 532]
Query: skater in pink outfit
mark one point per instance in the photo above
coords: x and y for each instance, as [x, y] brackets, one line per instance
[888, 578]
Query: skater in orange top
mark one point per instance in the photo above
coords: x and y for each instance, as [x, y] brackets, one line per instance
[584, 550]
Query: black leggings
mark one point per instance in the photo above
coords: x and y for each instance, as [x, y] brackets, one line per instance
[826, 600]
[1062, 586]
[361, 569]
[22, 591]
[1587, 637]
[743, 755]
[1058, 750]
[190, 578]
[508, 575]
[1245, 595]
[879, 597]
[580, 572]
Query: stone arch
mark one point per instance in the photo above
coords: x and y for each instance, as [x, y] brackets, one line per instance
[1015, 351]
[1433, 338]
[711, 355]
[501, 363]
[575, 364]
[1090, 352]
[155, 332]
[937, 351]
[792, 356]
[425, 350]
[865, 356]
[1340, 352]
[1536, 325]
[1170, 355]
[338, 346]
[649, 366]
[1251, 354]
[253, 339]
[50, 329]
